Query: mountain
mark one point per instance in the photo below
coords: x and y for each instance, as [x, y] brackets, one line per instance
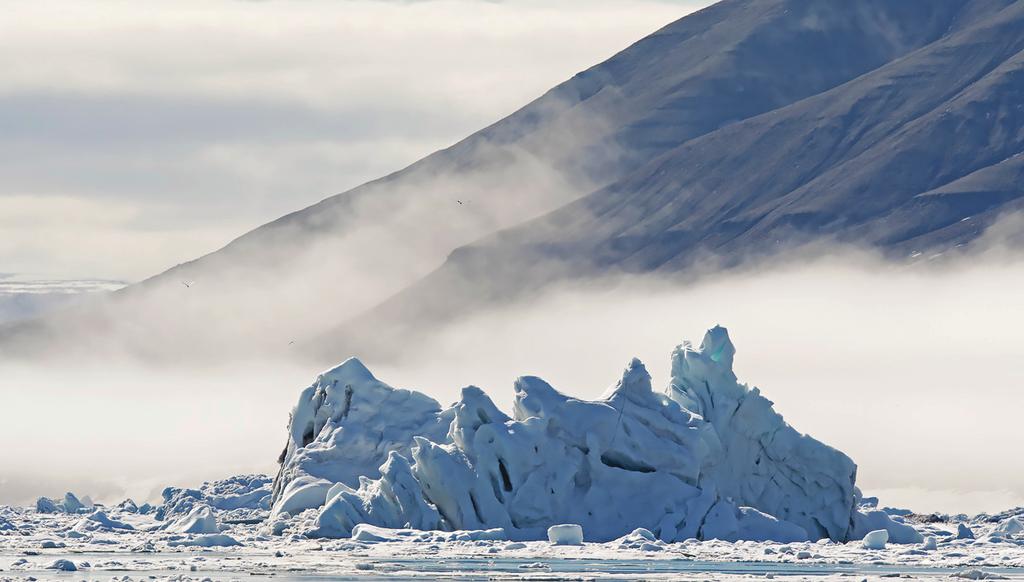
[748, 127]
[921, 154]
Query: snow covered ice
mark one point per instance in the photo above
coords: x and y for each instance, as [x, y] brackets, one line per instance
[198, 521]
[566, 534]
[38, 541]
[876, 540]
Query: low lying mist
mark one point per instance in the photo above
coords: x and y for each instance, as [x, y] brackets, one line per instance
[912, 370]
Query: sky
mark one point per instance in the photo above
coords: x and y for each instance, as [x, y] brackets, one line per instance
[138, 135]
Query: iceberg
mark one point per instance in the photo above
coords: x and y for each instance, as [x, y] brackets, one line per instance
[243, 494]
[708, 458]
[69, 504]
[343, 428]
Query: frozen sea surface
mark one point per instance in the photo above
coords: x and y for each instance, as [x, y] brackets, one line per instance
[146, 552]
[463, 566]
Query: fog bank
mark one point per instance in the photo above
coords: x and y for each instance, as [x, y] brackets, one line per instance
[911, 370]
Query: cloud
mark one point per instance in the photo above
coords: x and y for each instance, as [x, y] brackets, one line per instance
[71, 236]
[23, 296]
[912, 370]
[206, 119]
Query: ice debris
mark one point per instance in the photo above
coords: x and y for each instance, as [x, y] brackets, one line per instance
[98, 520]
[565, 534]
[63, 566]
[707, 458]
[369, 533]
[876, 539]
[206, 541]
[976, 574]
[963, 532]
[1010, 526]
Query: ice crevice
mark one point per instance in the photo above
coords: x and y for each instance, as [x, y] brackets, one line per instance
[707, 457]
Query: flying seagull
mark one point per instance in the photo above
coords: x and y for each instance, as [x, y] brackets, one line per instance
[187, 284]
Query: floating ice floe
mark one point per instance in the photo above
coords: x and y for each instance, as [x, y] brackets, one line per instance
[976, 574]
[206, 541]
[707, 458]
[369, 533]
[63, 566]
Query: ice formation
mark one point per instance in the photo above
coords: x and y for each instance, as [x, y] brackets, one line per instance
[964, 533]
[63, 566]
[876, 539]
[70, 504]
[565, 534]
[706, 458]
[206, 541]
[198, 521]
[239, 497]
[98, 520]
[1010, 526]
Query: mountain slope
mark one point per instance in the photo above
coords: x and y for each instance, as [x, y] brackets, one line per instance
[920, 154]
[675, 142]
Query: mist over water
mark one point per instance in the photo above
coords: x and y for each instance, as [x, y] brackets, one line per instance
[912, 370]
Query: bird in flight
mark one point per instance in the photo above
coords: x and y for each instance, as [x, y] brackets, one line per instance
[187, 284]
